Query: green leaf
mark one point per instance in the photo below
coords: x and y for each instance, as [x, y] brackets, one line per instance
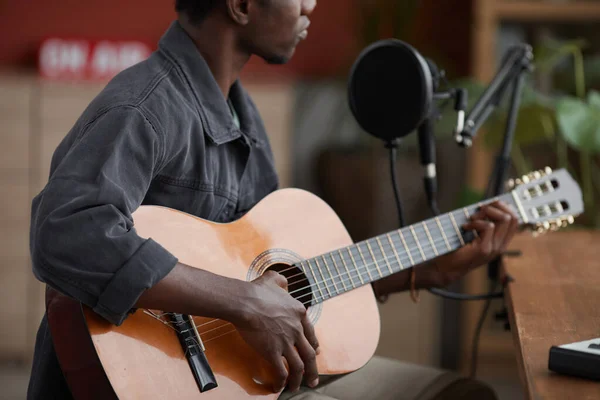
[552, 52]
[579, 123]
[563, 78]
[594, 99]
[469, 196]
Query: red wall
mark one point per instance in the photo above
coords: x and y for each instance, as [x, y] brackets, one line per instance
[24, 23]
[329, 50]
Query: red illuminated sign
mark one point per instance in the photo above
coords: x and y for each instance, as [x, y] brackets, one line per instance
[75, 59]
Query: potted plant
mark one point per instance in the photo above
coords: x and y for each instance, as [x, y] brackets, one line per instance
[561, 129]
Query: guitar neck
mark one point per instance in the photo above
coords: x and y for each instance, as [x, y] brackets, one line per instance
[365, 262]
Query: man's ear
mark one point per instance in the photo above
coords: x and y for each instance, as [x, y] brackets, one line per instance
[239, 10]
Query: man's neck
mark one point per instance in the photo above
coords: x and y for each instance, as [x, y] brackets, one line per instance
[217, 43]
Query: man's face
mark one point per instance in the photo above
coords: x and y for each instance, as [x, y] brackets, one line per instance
[276, 27]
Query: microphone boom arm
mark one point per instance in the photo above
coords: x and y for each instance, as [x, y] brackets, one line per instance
[517, 61]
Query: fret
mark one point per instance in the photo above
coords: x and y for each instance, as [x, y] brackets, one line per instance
[327, 286]
[335, 265]
[355, 267]
[439, 224]
[365, 262]
[430, 238]
[462, 242]
[331, 275]
[424, 241]
[315, 279]
[468, 216]
[375, 259]
[385, 257]
[389, 237]
[347, 269]
[519, 206]
[345, 276]
[412, 262]
[414, 234]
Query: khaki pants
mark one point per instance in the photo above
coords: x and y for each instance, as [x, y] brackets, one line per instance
[383, 379]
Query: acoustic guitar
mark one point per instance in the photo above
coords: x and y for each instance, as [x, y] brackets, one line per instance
[156, 355]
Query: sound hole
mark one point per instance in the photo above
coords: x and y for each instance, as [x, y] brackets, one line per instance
[298, 283]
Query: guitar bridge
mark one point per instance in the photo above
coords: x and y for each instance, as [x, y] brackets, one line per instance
[194, 351]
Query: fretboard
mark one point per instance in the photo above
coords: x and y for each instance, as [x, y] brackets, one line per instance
[345, 269]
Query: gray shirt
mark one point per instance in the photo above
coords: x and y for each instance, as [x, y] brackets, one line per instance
[160, 133]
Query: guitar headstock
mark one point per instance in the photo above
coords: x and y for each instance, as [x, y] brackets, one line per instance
[546, 199]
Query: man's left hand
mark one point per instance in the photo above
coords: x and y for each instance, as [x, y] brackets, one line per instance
[495, 224]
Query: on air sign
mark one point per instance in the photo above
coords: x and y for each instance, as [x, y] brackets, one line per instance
[75, 59]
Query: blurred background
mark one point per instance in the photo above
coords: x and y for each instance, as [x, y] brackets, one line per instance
[56, 56]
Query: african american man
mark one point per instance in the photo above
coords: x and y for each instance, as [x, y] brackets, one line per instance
[179, 130]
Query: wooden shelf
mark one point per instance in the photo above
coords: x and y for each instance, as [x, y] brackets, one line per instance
[547, 11]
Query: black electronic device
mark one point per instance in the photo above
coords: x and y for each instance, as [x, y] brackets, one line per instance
[580, 359]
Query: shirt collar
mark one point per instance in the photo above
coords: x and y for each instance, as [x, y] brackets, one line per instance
[216, 116]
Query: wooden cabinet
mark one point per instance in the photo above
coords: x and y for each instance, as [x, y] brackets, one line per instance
[14, 213]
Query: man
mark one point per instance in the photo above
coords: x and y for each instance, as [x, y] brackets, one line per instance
[179, 130]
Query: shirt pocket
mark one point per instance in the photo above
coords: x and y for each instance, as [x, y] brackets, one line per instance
[192, 197]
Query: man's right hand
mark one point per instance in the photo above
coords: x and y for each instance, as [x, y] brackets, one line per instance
[277, 326]
[268, 318]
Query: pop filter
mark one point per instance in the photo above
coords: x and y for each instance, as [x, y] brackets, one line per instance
[390, 89]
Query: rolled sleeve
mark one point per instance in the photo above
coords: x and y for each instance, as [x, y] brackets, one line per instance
[148, 266]
[83, 240]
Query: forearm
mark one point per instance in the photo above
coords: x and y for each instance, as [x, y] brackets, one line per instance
[193, 291]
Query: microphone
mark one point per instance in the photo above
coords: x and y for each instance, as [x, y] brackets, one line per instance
[390, 89]
[427, 153]
[427, 144]
[391, 92]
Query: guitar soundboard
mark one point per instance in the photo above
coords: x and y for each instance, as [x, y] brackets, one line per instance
[580, 359]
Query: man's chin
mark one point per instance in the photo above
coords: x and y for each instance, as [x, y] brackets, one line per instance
[278, 59]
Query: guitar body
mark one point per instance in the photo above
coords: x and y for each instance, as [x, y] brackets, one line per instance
[143, 358]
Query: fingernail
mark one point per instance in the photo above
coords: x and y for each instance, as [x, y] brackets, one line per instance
[314, 383]
[318, 351]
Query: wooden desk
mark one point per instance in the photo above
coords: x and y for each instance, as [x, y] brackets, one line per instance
[555, 299]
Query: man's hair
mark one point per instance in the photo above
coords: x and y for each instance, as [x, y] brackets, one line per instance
[196, 10]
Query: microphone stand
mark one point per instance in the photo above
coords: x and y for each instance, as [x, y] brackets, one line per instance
[517, 62]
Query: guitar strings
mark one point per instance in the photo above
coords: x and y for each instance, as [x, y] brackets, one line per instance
[444, 224]
[345, 279]
[429, 244]
[385, 243]
[375, 262]
[235, 330]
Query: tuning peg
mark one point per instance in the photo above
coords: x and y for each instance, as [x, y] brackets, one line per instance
[525, 179]
[542, 227]
[510, 184]
[546, 225]
[570, 220]
[547, 170]
[537, 175]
